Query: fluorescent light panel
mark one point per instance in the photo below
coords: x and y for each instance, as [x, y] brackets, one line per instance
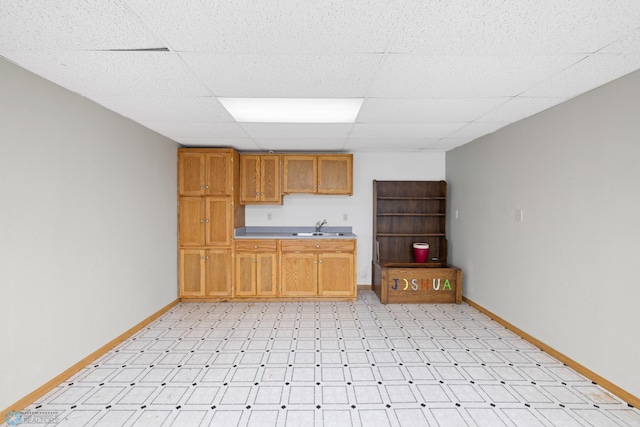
[293, 110]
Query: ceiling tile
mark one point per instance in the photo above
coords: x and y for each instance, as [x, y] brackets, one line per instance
[410, 76]
[476, 130]
[284, 26]
[389, 144]
[296, 130]
[72, 25]
[282, 76]
[301, 144]
[626, 45]
[176, 130]
[408, 130]
[109, 74]
[446, 144]
[588, 74]
[177, 109]
[434, 110]
[518, 108]
[498, 27]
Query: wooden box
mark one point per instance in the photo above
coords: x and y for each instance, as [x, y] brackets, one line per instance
[409, 283]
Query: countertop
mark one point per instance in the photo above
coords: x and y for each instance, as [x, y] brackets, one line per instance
[290, 233]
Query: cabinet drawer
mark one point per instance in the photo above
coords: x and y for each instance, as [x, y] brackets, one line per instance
[319, 245]
[261, 245]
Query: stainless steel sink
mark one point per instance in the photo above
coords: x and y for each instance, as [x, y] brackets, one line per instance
[318, 234]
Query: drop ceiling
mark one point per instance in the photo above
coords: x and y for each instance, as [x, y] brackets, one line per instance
[433, 74]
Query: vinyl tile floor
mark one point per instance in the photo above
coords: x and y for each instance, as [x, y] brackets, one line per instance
[360, 364]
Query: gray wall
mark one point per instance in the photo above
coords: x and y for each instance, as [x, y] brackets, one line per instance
[568, 273]
[87, 228]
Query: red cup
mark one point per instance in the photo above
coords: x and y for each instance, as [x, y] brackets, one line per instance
[421, 252]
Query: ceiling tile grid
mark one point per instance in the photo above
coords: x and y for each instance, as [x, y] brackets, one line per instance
[433, 75]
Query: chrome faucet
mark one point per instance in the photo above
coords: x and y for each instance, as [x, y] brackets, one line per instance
[319, 225]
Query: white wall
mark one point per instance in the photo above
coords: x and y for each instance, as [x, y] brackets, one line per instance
[568, 274]
[306, 209]
[87, 228]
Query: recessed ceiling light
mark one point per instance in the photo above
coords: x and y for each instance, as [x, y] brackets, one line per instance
[293, 110]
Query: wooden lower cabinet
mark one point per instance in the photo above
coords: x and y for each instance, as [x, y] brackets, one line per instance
[205, 273]
[270, 269]
[318, 268]
[256, 267]
[336, 275]
[299, 274]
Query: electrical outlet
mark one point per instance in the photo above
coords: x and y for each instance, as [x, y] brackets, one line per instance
[345, 217]
[455, 214]
[363, 274]
[519, 215]
[269, 217]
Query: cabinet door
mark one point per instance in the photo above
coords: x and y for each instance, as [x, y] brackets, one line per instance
[299, 273]
[300, 174]
[249, 178]
[335, 174]
[218, 275]
[191, 172]
[270, 181]
[219, 174]
[266, 274]
[245, 276]
[191, 221]
[336, 274]
[219, 220]
[192, 272]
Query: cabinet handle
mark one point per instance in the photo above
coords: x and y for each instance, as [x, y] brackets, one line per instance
[201, 187]
[320, 261]
[207, 221]
[255, 246]
[257, 260]
[201, 221]
[206, 186]
[201, 257]
[318, 246]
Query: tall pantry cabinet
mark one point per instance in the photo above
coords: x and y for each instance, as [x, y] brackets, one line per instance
[208, 211]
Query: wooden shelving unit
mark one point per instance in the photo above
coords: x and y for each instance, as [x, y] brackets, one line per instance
[407, 212]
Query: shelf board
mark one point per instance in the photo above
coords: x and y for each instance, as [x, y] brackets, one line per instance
[411, 198]
[410, 235]
[411, 214]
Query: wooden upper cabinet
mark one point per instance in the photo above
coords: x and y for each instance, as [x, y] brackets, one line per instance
[205, 174]
[191, 174]
[335, 174]
[260, 179]
[271, 179]
[318, 174]
[300, 174]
